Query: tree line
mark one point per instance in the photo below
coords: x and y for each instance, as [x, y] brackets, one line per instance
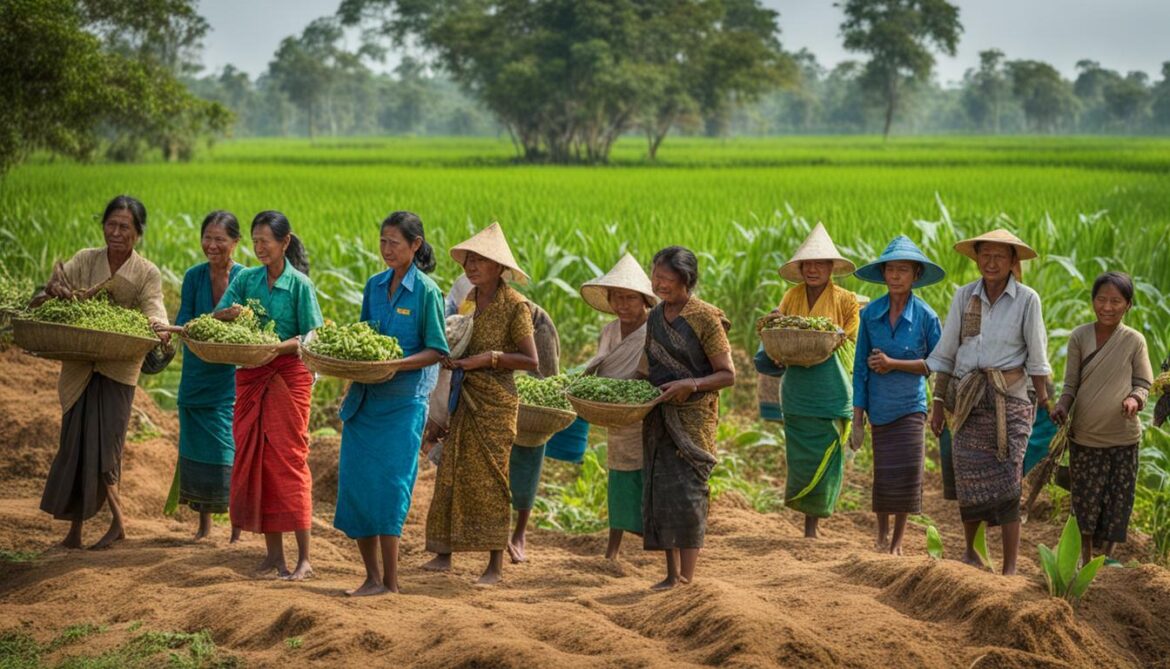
[563, 78]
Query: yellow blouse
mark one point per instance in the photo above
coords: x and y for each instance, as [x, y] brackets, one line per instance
[835, 303]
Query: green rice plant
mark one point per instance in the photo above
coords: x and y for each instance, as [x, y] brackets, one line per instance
[1061, 571]
[980, 546]
[934, 543]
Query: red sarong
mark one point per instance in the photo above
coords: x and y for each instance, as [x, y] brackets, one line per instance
[272, 489]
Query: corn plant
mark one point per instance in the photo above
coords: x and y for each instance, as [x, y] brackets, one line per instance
[980, 546]
[1061, 571]
[934, 543]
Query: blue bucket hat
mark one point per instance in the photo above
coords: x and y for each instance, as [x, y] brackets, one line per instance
[901, 249]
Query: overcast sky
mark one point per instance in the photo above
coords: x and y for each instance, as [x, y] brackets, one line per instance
[1122, 35]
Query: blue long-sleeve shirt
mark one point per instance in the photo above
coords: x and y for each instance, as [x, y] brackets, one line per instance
[888, 397]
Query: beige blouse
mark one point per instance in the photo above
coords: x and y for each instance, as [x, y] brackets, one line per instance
[619, 358]
[1121, 368]
[137, 285]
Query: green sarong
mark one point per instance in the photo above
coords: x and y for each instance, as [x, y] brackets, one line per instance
[625, 500]
[817, 403]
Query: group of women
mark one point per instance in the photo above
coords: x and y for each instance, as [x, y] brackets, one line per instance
[243, 444]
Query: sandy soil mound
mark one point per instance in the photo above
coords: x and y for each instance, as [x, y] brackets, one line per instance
[764, 597]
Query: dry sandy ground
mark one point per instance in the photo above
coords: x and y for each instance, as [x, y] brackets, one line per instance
[764, 596]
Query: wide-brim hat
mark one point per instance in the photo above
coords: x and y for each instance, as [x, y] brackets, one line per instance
[999, 236]
[491, 244]
[627, 274]
[817, 246]
[901, 248]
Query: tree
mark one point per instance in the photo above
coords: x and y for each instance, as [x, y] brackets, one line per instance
[1160, 105]
[1127, 100]
[1047, 99]
[65, 86]
[309, 68]
[986, 90]
[567, 77]
[897, 34]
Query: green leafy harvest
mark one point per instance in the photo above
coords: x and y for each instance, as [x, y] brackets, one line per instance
[613, 391]
[96, 313]
[548, 392]
[357, 341]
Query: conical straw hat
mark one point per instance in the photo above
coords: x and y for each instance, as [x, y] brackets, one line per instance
[490, 243]
[817, 246]
[999, 236]
[628, 274]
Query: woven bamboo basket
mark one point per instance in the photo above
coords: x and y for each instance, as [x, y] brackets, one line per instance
[362, 371]
[534, 425]
[241, 355]
[610, 415]
[801, 348]
[66, 342]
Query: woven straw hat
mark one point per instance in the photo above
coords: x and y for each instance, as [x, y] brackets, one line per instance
[999, 236]
[817, 246]
[628, 274]
[490, 243]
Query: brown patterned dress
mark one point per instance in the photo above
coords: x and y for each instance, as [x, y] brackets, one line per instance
[470, 509]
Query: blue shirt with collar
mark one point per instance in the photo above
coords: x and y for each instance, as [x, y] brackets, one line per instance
[413, 315]
[888, 397]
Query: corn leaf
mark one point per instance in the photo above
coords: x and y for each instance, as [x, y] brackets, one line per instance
[934, 544]
[1051, 573]
[981, 546]
[1084, 577]
[1068, 553]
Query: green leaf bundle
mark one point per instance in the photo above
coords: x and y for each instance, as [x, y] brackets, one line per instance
[549, 392]
[96, 313]
[357, 341]
[613, 391]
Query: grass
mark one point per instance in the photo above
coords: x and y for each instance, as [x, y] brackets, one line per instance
[145, 650]
[1086, 204]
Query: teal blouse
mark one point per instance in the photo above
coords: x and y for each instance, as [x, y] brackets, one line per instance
[292, 301]
[203, 384]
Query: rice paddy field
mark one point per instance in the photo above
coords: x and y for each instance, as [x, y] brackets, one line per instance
[1085, 204]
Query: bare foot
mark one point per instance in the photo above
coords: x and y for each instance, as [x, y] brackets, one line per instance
[896, 549]
[72, 540]
[235, 534]
[204, 527]
[439, 563]
[269, 564]
[115, 534]
[881, 546]
[370, 587]
[666, 584]
[490, 577]
[972, 558]
[516, 552]
[1009, 571]
[391, 587]
[303, 572]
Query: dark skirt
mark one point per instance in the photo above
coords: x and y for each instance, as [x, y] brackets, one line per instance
[675, 495]
[899, 449]
[1103, 484]
[204, 487]
[89, 457]
[989, 488]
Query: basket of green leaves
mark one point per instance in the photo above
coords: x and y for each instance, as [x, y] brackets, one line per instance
[92, 330]
[544, 411]
[612, 402]
[799, 340]
[245, 341]
[355, 352]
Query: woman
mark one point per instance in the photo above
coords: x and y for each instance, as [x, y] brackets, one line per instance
[625, 291]
[689, 359]
[96, 398]
[470, 508]
[207, 392]
[896, 334]
[816, 400]
[1108, 377]
[271, 489]
[383, 423]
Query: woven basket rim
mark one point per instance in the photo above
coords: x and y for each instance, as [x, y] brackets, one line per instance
[33, 323]
[610, 405]
[552, 411]
[226, 346]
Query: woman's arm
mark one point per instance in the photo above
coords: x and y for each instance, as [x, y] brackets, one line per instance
[722, 377]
